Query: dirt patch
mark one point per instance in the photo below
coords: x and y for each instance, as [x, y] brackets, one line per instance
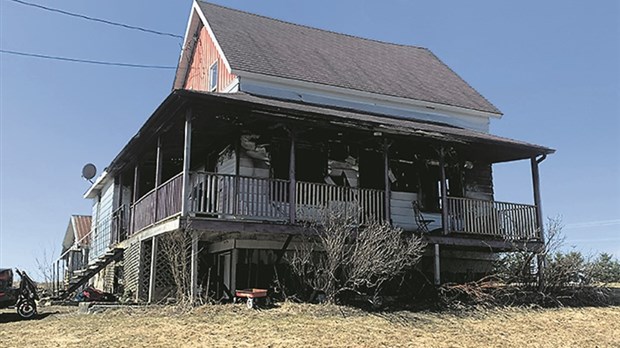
[293, 325]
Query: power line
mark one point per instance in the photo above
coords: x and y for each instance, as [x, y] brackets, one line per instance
[126, 26]
[76, 60]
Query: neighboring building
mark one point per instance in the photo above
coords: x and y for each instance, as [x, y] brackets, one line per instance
[270, 122]
[76, 245]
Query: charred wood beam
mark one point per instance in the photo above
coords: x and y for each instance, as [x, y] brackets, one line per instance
[477, 243]
[387, 184]
[292, 181]
[186, 161]
[444, 191]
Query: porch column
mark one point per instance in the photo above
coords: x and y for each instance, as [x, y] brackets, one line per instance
[539, 219]
[292, 190]
[136, 183]
[236, 203]
[153, 270]
[186, 162]
[134, 196]
[537, 201]
[437, 268]
[387, 184]
[194, 268]
[158, 164]
[234, 260]
[444, 192]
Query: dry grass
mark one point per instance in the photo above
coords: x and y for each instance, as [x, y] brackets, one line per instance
[293, 325]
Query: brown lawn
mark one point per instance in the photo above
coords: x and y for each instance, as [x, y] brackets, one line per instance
[293, 325]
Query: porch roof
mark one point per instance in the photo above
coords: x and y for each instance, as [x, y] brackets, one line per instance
[497, 149]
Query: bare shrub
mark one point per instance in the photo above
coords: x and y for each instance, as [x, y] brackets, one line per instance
[569, 279]
[340, 256]
[46, 265]
[177, 247]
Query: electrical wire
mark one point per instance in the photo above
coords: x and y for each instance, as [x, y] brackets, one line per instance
[76, 60]
[126, 26]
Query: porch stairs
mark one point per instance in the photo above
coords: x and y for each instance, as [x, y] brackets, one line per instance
[80, 277]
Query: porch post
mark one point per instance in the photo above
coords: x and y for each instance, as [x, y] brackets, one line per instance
[437, 268]
[194, 267]
[234, 260]
[387, 184]
[158, 163]
[153, 271]
[444, 192]
[134, 196]
[540, 259]
[136, 183]
[186, 162]
[537, 200]
[236, 203]
[292, 190]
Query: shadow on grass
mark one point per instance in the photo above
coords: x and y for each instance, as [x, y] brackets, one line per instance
[9, 317]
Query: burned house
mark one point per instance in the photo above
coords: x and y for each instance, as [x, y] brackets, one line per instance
[270, 122]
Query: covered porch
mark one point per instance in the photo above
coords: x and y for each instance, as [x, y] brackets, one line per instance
[248, 159]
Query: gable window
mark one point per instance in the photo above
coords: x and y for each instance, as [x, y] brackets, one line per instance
[213, 77]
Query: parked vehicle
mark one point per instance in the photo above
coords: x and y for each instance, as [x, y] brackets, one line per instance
[21, 298]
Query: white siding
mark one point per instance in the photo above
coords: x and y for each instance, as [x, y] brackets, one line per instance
[102, 221]
[403, 215]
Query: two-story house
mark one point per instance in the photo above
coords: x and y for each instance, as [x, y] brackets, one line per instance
[269, 122]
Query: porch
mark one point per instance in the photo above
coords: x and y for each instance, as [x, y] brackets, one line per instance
[227, 159]
[243, 198]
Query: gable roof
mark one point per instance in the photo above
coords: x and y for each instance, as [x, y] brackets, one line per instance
[261, 45]
[77, 232]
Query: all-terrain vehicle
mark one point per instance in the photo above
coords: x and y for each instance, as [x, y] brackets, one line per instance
[21, 298]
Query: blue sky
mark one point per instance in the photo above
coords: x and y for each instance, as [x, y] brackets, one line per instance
[552, 67]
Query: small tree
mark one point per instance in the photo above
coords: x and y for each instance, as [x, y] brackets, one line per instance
[606, 269]
[340, 256]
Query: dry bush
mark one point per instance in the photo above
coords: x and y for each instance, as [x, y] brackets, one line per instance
[570, 279]
[342, 257]
[176, 248]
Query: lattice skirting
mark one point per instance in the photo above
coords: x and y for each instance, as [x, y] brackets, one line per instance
[131, 269]
[137, 271]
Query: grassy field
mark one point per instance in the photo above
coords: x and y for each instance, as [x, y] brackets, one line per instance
[293, 325]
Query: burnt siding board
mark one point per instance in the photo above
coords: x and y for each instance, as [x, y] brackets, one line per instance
[479, 182]
[271, 47]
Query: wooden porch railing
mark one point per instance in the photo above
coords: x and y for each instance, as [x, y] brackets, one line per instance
[159, 203]
[507, 220]
[228, 196]
[363, 205]
[224, 195]
[231, 196]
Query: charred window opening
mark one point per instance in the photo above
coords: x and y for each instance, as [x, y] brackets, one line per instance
[406, 176]
[430, 189]
[372, 170]
[342, 165]
[310, 162]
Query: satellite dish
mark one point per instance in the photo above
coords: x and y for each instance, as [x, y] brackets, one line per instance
[89, 171]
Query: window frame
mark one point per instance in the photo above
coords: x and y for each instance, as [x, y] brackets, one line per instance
[212, 83]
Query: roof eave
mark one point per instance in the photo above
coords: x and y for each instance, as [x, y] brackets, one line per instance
[407, 101]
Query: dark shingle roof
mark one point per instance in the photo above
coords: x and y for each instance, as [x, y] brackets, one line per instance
[262, 45]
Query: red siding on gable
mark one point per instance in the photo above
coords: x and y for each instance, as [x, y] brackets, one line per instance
[205, 54]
